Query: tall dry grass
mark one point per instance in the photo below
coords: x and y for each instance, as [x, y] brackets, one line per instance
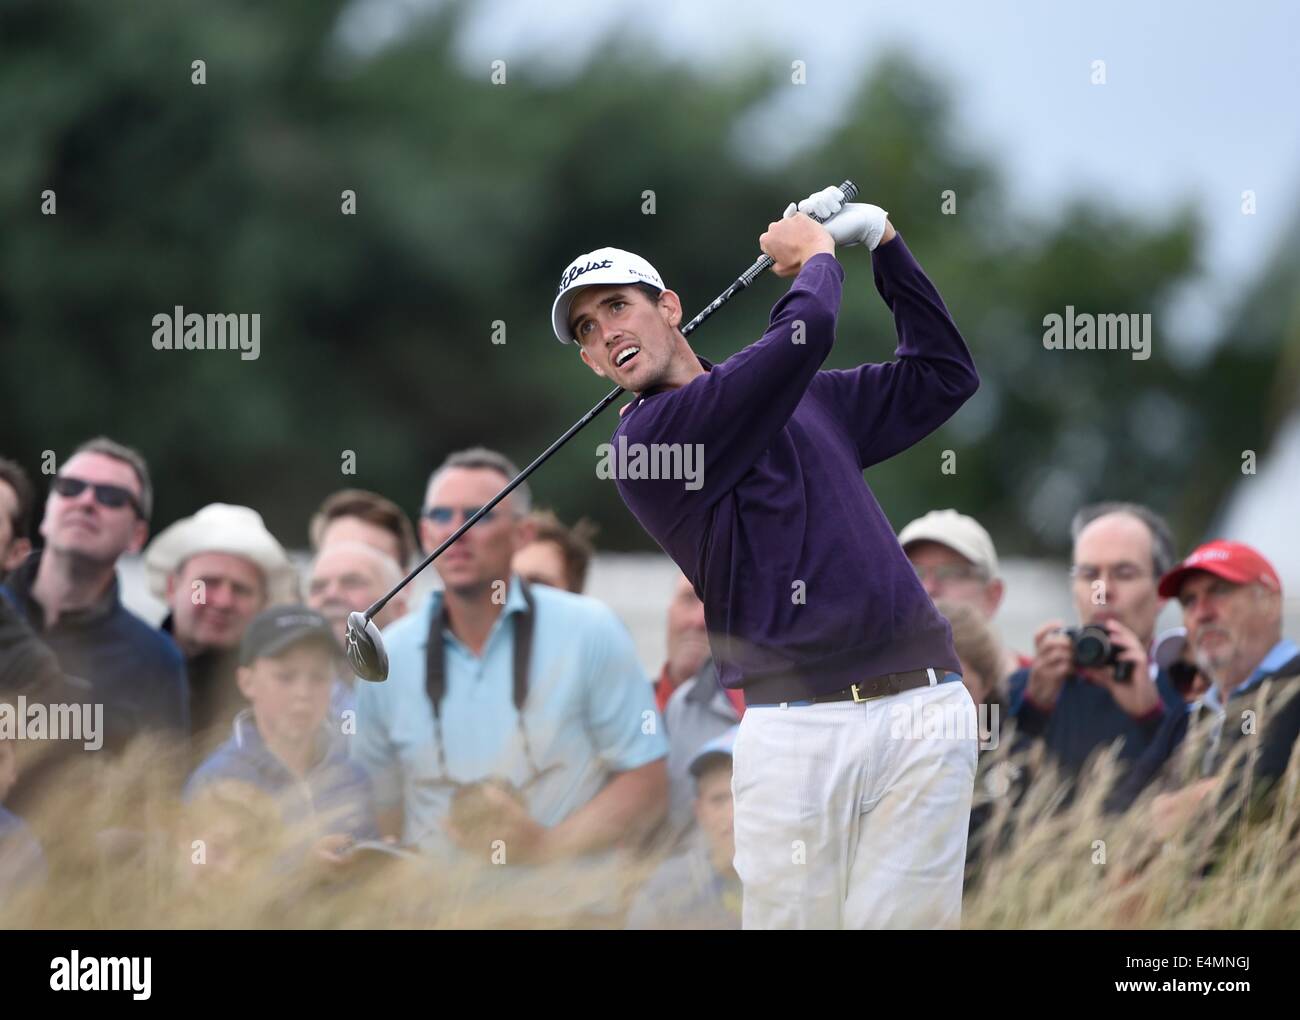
[120, 850]
[1062, 862]
[123, 852]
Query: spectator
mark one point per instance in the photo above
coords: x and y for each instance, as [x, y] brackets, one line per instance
[348, 577]
[996, 775]
[216, 571]
[699, 888]
[29, 669]
[355, 515]
[688, 643]
[283, 744]
[22, 863]
[98, 509]
[979, 652]
[532, 687]
[1240, 734]
[27, 666]
[698, 711]
[1120, 550]
[16, 501]
[955, 559]
[556, 555]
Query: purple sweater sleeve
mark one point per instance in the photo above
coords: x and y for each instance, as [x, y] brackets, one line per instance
[736, 410]
[889, 407]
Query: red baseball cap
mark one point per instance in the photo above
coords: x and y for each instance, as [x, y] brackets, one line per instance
[1232, 561]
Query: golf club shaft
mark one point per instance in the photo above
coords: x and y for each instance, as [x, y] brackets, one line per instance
[514, 483]
[744, 280]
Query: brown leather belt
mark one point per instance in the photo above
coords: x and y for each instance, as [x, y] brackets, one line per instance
[868, 690]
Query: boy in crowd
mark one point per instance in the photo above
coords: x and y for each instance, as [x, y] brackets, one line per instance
[282, 744]
[699, 888]
[22, 864]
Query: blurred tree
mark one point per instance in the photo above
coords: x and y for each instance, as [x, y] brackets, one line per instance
[1243, 396]
[377, 328]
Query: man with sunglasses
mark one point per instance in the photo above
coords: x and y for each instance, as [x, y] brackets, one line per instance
[556, 751]
[98, 509]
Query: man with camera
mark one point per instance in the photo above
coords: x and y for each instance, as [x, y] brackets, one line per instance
[1092, 685]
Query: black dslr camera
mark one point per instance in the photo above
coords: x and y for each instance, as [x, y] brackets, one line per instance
[1094, 649]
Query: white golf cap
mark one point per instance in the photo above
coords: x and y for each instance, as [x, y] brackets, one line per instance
[597, 269]
[960, 533]
[222, 528]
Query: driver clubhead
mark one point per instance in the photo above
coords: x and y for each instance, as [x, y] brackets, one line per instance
[365, 649]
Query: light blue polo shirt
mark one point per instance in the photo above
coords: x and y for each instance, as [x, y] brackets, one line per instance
[590, 710]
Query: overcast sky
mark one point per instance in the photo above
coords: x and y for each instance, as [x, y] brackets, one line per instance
[1200, 100]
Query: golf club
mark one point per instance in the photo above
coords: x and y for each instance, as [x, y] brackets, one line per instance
[365, 647]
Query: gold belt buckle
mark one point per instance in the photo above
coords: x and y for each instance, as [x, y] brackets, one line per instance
[890, 688]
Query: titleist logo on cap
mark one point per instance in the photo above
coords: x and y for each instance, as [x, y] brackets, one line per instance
[1209, 554]
[573, 272]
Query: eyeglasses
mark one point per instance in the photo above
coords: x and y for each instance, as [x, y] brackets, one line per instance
[112, 496]
[1124, 573]
[950, 572]
[447, 514]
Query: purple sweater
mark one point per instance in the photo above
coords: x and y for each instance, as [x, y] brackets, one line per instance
[805, 587]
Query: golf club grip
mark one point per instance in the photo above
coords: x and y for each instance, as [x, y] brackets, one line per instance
[765, 262]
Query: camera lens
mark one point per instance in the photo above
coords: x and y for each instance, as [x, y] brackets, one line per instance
[1091, 647]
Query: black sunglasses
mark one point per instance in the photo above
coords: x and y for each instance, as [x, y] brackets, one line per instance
[447, 514]
[111, 496]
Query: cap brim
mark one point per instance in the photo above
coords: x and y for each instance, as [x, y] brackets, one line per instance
[560, 315]
[297, 637]
[563, 302]
[972, 556]
[1171, 584]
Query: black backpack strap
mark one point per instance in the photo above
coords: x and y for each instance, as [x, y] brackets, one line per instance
[435, 653]
[435, 660]
[523, 646]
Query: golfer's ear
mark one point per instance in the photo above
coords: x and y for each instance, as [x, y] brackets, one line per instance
[672, 306]
[586, 360]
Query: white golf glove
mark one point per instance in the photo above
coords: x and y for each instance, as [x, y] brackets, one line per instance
[854, 223]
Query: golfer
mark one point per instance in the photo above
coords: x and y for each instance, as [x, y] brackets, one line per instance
[847, 815]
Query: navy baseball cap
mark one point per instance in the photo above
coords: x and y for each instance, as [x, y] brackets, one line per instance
[281, 627]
